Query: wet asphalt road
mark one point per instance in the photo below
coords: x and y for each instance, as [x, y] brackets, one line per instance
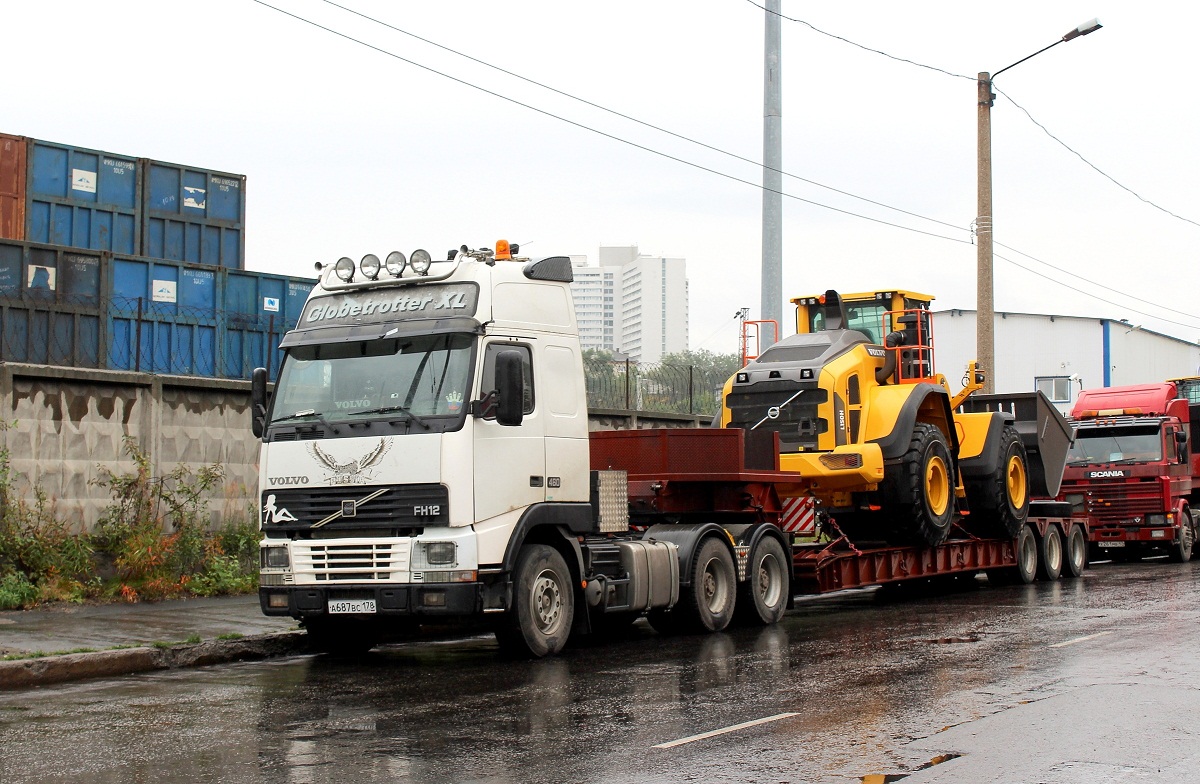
[1087, 680]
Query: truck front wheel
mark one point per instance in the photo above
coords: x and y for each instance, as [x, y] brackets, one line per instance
[539, 621]
[1181, 548]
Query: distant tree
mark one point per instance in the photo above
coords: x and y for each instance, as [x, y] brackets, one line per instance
[687, 382]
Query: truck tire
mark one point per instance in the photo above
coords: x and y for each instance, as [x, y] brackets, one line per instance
[1000, 502]
[341, 636]
[1050, 555]
[1075, 551]
[1026, 547]
[762, 599]
[706, 605]
[919, 490]
[1184, 544]
[539, 621]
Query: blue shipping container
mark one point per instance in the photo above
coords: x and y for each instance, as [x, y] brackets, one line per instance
[193, 215]
[259, 308]
[82, 198]
[163, 317]
[50, 305]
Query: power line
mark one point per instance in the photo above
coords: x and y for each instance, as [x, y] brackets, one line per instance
[1093, 296]
[860, 46]
[1089, 163]
[643, 123]
[599, 132]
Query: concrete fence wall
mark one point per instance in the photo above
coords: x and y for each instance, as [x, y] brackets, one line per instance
[61, 425]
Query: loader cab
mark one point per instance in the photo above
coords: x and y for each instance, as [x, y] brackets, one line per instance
[896, 319]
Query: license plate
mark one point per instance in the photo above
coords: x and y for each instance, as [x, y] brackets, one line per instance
[351, 606]
[1111, 544]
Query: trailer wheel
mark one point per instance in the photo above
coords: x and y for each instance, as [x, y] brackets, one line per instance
[921, 488]
[1050, 555]
[1182, 547]
[1025, 571]
[706, 605]
[1075, 551]
[341, 637]
[762, 599]
[543, 605]
[1000, 502]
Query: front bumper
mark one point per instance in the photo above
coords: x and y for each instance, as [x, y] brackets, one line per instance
[433, 599]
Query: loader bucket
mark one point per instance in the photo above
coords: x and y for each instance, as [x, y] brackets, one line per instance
[1044, 431]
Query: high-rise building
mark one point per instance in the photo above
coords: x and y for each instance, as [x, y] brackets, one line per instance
[631, 303]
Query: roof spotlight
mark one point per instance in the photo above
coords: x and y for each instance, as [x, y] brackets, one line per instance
[395, 263]
[344, 268]
[420, 261]
[370, 266]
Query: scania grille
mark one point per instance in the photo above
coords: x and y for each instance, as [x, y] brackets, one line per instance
[796, 422]
[349, 560]
[356, 507]
[1117, 505]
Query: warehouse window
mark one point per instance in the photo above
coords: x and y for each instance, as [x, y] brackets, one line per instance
[1057, 388]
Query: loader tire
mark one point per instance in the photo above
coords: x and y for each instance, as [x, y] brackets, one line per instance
[999, 502]
[918, 492]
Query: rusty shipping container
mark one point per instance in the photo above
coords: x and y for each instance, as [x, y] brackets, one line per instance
[12, 187]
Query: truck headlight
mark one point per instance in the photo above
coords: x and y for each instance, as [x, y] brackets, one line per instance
[344, 268]
[439, 553]
[395, 263]
[274, 558]
[420, 261]
[370, 266]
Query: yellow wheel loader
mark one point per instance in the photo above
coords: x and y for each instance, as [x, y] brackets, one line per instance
[873, 430]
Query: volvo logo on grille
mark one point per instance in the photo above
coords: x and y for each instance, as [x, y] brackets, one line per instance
[349, 509]
[288, 480]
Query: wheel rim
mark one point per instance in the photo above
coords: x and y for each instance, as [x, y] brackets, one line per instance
[770, 582]
[714, 588]
[1053, 552]
[1028, 554]
[1015, 479]
[937, 485]
[1075, 549]
[547, 602]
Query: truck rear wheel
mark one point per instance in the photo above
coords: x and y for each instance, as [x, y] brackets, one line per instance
[1026, 547]
[707, 604]
[1182, 547]
[1050, 554]
[763, 598]
[1075, 552]
[1000, 502]
[920, 489]
[539, 621]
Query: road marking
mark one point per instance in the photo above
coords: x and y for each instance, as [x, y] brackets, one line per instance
[723, 730]
[1079, 639]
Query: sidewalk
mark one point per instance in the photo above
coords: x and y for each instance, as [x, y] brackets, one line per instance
[105, 626]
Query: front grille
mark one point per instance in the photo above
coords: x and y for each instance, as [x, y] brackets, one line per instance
[1124, 503]
[398, 506]
[350, 560]
[797, 424]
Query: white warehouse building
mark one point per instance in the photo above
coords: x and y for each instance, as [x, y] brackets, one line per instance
[631, 303]
[1062, 354]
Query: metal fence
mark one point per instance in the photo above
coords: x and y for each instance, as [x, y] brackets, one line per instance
[675, 389]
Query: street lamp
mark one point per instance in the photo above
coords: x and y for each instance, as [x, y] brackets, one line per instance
[985, 310]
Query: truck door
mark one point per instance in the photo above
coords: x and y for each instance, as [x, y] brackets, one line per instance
[510, 462]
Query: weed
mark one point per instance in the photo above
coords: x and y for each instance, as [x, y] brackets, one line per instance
[230, 636]
[16, 592]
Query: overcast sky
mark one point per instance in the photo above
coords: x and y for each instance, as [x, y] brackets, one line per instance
[349, 150]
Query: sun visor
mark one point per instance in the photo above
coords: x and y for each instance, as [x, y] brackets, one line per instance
[349, 333]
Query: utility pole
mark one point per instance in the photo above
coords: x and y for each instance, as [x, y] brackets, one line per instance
[772, 210]
[985, 320]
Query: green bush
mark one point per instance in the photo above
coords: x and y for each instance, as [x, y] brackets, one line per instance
[16, 592]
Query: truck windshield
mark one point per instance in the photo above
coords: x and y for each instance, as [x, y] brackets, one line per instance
[1095, 445]
[411, 377]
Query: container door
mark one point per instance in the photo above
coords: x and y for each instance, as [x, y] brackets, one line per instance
[510, 462]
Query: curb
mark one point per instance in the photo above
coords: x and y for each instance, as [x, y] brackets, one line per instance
[28, 673]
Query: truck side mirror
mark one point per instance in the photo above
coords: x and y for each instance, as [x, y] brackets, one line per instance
[258, 401]
[510, 389]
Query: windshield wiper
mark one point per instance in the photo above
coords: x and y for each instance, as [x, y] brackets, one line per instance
[401, 409]
[308, 412]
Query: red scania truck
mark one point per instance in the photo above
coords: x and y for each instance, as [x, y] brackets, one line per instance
[1133, 471]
